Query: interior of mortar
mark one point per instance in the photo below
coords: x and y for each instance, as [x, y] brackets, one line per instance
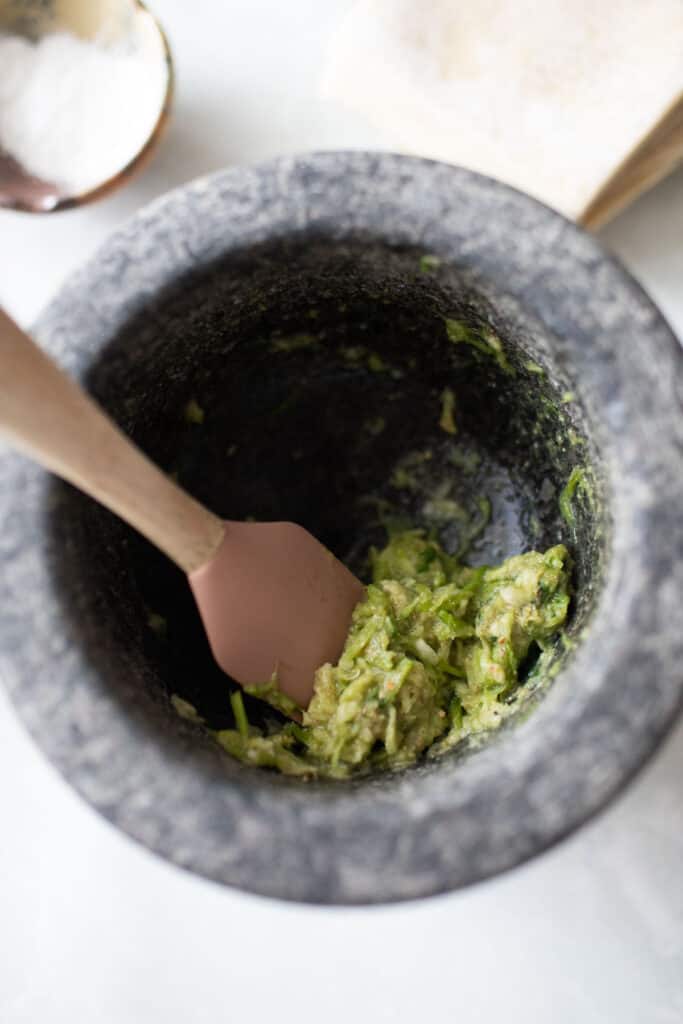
[320, 368]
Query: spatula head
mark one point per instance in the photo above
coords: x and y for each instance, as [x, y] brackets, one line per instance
[273, 599]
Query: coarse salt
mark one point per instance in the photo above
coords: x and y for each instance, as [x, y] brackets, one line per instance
[74, 112]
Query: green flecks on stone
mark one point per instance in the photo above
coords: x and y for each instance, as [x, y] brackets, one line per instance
[403, 479]
[405, 473]
[460, 333]
[429, 263]
[484, 504]
[533, 367]
[447, 419]
[567, 397]
[577, 482]
[194, 413]
[496, 347]
[185, 710]
[353, 353]
[374, 427]
[466, 460]
[157, 623]
[475, 525]
[386, 514]
[482, 339]
[440, 509]
[360, 355]
[293, 342]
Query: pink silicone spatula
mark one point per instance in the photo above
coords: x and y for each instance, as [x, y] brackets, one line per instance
[271, 597]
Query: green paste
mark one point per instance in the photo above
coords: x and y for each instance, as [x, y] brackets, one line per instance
[432, 656]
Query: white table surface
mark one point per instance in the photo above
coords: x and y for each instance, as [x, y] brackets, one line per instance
[95, 929]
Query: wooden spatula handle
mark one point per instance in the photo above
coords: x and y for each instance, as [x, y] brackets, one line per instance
[46, 415]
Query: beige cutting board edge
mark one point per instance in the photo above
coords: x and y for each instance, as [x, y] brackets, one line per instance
[659, 153]
[576, 103]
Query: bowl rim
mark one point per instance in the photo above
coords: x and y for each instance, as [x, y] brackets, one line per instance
[418, 833]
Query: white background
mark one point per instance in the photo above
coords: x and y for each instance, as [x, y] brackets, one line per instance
[94, 929]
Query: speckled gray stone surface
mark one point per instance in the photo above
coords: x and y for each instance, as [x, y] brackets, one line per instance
[75, 656]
